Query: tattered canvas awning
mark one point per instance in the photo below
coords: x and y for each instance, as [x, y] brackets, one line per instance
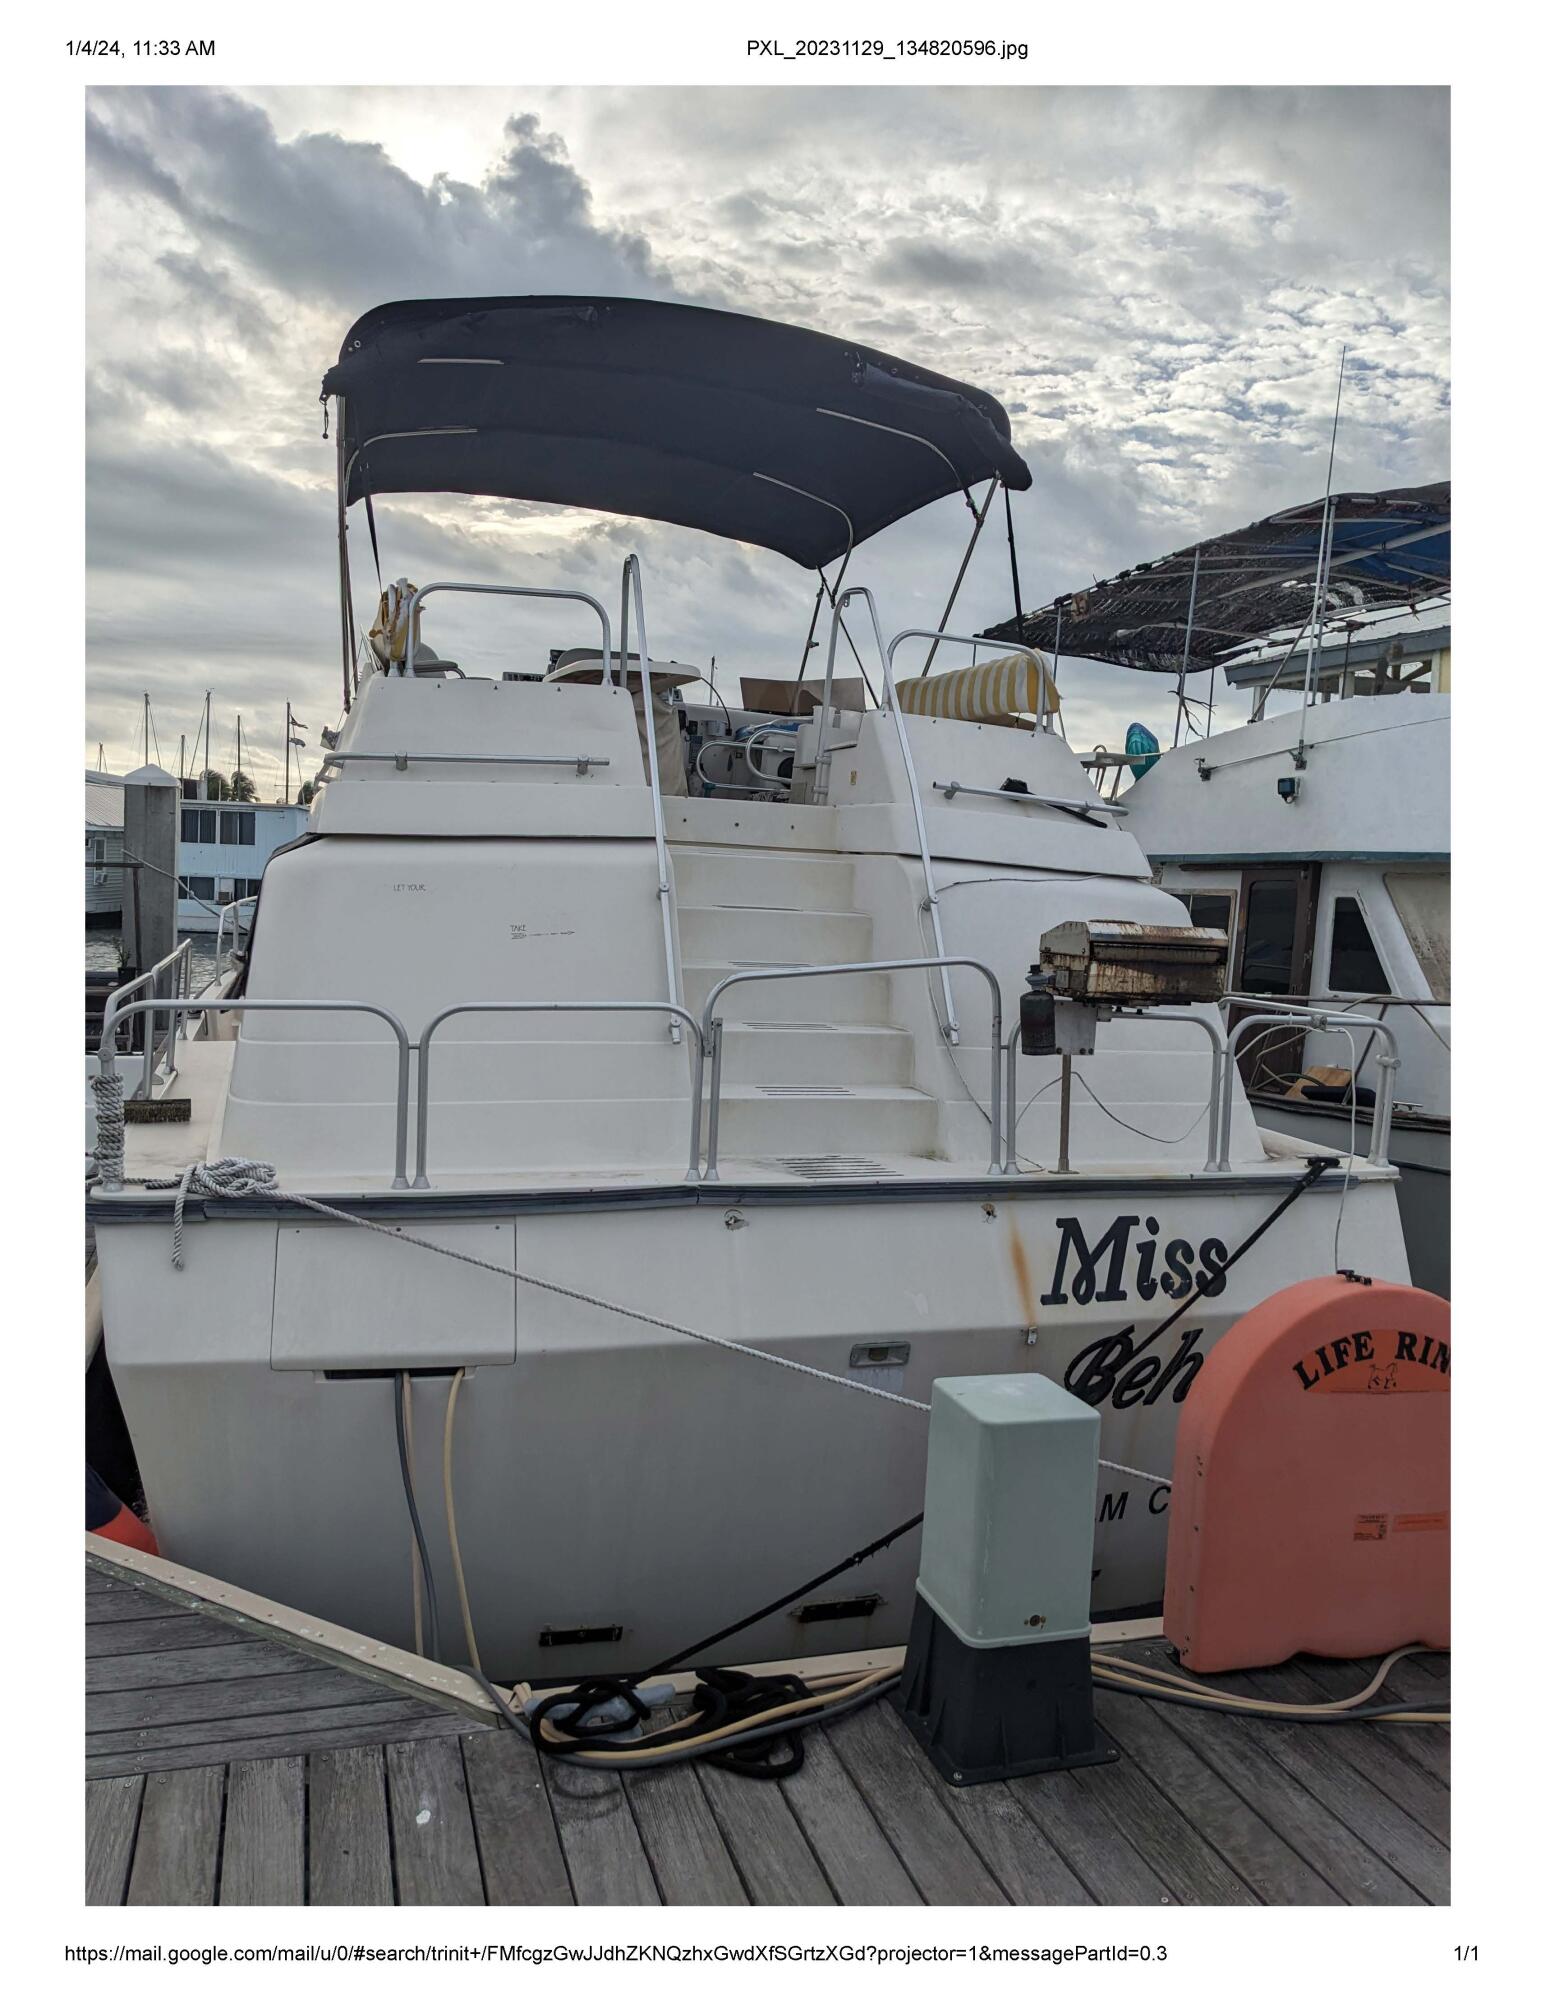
[767, 434]
[1388, 551]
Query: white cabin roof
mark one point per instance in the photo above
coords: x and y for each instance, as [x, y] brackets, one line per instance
[1374, 784]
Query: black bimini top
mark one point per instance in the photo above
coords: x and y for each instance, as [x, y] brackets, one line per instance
[1388, 550]
[667, 412]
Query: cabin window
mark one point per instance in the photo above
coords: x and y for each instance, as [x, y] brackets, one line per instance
[1210, 909]
[1354, 963]
[1271, 926]
[238, 829]
[1422, 904]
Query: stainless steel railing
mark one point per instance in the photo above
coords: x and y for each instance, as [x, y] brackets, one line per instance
[116, 1012]
[891, 707]
[229, 910]
[421, 1168]
[633, 595]
[706, 1033]
[1286, 1015]
[176, 970]
[508, 590]
[1216, 1082]
[580, 760]
[713, 1031]
[1082, 808]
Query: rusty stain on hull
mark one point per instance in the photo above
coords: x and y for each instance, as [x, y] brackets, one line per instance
[1020, 1260]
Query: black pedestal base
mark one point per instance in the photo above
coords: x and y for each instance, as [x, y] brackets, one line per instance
[986, 1712]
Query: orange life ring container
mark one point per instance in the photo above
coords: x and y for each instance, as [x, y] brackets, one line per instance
[1310, 1508]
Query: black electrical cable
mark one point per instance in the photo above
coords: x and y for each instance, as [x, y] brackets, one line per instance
[766, 1610]
[431, 1607]
[722, 1695]
[1188, 1304]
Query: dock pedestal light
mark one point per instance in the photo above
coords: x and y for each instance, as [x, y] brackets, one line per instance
[996, 1682]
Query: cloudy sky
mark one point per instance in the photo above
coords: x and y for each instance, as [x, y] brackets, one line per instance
[1155, 284]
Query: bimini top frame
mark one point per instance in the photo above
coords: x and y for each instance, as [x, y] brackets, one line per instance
[711, 420]
[1188, 611]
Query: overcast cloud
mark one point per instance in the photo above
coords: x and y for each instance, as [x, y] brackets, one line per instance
[1155, 284]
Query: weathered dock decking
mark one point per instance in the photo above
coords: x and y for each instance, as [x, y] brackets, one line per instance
[225, 1766]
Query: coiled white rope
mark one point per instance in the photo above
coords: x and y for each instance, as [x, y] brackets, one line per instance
[234, 1178]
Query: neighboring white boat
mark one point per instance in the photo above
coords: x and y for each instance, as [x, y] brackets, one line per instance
[1316, 837]
[729, 1066]
[1338, 893]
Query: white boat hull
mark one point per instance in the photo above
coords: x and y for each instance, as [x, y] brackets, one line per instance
[611, 1475]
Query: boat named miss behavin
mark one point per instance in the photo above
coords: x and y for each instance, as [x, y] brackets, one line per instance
[711, 1080]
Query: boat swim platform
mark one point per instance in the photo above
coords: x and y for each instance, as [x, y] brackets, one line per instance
[238, 1752]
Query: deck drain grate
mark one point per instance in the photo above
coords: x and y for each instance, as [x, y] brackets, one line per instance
[804, 1090]
[833, 1167]
[780, 1026]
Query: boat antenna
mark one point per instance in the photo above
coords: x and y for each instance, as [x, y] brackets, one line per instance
[1322, 567]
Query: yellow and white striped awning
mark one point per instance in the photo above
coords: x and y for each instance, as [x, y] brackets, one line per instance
[1000, 691]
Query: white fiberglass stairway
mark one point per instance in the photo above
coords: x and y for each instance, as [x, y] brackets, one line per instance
[817, 1081]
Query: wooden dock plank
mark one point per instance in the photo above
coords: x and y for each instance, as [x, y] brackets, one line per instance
[221, 1700]
[263, 1857]
[432, 1837]
[1257, 1853]
[100, 1584]
[774, 1859]
[877, 1752]
[1159, 1827]
[1423, 1744]
[185, 1745]
[176, 1630]
[1019, 1858]
[602, 1847]
[1235, 1750]
[117, 1673]
[177, 1852]
[129, 1602]
[516, 1834]
[858, 1861]
[1375, 1751]
[1325, 1771]
[1025, 1864]
[112, 1819]
[1092, 1843]
[350, 1849]
[681, 1837]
